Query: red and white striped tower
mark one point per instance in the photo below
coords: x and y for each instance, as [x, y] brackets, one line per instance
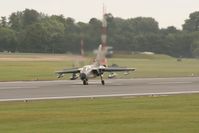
[104, 29]
[103, 60]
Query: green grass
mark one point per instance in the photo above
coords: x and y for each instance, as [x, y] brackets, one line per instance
[26, 70]
[160, 67]
[150, 66]
[172, 114]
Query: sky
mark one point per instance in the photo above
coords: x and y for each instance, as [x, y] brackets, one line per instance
[166, 12]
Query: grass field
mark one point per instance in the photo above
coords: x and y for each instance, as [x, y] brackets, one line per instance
[171, 114]
[161, 67]
[42, 66]
[168, 114]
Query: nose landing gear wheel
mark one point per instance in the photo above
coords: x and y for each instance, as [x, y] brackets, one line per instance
[103, 83]
[85, 82]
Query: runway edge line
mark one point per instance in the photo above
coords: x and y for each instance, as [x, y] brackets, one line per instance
[100, 96]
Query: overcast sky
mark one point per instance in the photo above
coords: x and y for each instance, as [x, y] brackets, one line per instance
[166, 12]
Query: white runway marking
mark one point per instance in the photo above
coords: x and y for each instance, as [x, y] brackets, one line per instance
[98, 96]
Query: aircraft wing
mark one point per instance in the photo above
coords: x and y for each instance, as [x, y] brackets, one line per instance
[116, 69]
[65, 71]
[72, 70]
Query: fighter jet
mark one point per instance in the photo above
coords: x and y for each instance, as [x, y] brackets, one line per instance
[99, 66]
[96, 69]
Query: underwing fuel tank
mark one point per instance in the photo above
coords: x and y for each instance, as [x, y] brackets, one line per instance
[112, 75]
[74, 76]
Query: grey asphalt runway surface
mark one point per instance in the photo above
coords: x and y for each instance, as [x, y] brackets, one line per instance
[63, 89]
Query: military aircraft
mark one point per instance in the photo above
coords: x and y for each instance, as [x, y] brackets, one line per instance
[99, 66]
[96, 69]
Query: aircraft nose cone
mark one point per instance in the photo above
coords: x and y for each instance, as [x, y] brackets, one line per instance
[82, 76]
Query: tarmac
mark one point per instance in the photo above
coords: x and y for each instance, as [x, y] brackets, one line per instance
[66, 89]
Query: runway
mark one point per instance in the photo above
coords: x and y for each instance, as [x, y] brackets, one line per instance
[65, 89]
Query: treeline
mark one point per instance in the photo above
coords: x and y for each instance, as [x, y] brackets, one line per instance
[31, 31]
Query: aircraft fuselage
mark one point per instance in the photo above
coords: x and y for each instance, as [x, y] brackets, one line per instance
[89, 72]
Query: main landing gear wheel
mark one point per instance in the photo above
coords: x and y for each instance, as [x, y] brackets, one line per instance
[85, 82]
[103, 83]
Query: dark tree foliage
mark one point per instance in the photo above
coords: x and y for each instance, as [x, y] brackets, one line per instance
[7, 39]
[3, 22]
[31, 31]
[192, 24]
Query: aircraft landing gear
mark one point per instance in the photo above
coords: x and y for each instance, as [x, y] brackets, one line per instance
[102, 81]
[85, 82]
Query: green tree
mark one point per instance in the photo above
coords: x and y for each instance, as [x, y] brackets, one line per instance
[196, 52]
[31, 31]
[7, 39]
[3, 22]
[192, 24]
[142, 25]
[195, 44]
[15, 21]
[30, 16]
[41, 37]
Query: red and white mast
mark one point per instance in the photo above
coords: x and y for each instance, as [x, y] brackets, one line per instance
[103, 49]
[104, 29]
